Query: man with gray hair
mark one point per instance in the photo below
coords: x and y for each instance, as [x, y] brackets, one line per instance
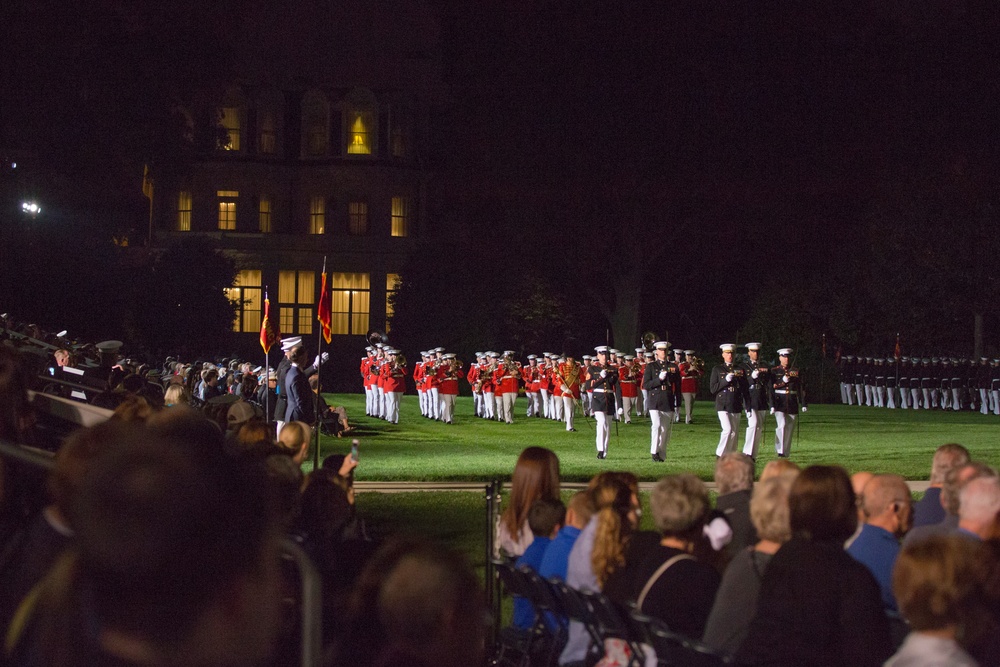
[954, 482]
[979, 508]
[930, 509]
[888, 511]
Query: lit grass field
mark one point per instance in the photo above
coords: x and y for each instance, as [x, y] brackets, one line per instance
[879, 440]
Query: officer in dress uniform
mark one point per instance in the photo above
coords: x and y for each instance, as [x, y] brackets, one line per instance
[891, 371]
[661, 381]
[603, 381]
[758, 376]
[904, 382]
[846, 373]
[788, 395]
[983, 384]
[729, 389]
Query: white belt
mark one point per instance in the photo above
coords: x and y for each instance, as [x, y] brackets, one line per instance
[783, 391]
[597, 391]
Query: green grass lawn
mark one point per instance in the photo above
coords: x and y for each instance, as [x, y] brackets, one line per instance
[879, 440]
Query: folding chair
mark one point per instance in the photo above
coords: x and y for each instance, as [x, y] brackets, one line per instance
[675, 650]
[612, 625]
[577, 609]
[552, 628]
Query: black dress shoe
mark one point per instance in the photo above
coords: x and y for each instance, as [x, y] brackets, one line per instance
[571, 430]
[602, 455]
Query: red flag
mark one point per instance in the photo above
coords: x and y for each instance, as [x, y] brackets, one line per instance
[269, 333]
[325, 315]
[898, 353]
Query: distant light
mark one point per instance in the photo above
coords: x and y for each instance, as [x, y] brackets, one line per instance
[31, 208]
[13, 165]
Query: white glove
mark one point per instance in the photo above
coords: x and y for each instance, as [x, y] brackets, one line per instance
[565, 389]
[785, 379]
[316, 362]
[805, 409]
[772, 411]
[755, 374]
[604, 374]
[729, 377]
[620, 412]
[325, 357]
[749, 414]
[663, 375]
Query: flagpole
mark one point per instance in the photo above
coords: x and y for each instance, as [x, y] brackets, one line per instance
[319, 358]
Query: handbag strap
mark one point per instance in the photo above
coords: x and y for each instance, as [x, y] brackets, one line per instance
[656, 575]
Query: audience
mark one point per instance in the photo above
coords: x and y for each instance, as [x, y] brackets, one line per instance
[736, 601]
[546, 518]
[955, 481]
[817, 605]
[734, 482]
[979, 508]
[536, 476]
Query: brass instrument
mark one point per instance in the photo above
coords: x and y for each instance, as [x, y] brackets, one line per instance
[375, 337]
[648, 339]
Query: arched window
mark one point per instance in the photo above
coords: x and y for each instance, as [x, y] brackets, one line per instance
[361, 123]
[232, 119]
[315, 124]
[269, 123]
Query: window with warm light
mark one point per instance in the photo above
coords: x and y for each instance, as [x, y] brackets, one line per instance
[246, 295]
[317, 215]
[296, 296]
[392, 281]
[400, 216]
[227, 209]
[359, 137]
[231, 124]
[350, 303]
[184, 211]
[357, 218]
[264, 214]
[266, 141]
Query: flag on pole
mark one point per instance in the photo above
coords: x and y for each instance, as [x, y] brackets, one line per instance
[898, 352]
[325, 312]
[269, 333]
[147, 183]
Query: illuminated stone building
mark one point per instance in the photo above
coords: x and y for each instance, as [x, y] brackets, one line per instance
[316, 154]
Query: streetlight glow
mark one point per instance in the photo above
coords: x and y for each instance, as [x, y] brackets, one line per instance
[31, 208]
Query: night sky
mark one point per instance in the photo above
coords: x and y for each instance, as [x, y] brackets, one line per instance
[767, 169]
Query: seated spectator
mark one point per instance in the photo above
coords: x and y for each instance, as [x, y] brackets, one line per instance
[210, 385]
[133, 409]
[333, 419]
[295, 438]
[176, 394]
[930, 510]
[955, 481]
[415, 605]
[736, 601]
[253, 439]
[536, 475]
[979, 509]
[887, 507]
[858, 482]
[936, 583]
[556, 557]
[777, 467]
[545, 518]
[16, 416]
[665, 580]
[734, 481]
[817, 605]
[175, 561]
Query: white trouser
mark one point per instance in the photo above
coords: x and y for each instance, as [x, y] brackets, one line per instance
[422, 393]
[627, 402]
[879, 397]
[545, 402]
[380, 397]
[589, 402]
[640, 403]
[433, 403]
[890, 397]
[556, 411]
[659, 433]
[277, 428]
[730, 436]
[368, 401]
[915, 394]
[392, 406]
[995, 401]
[688, 406]
[945, 400]
[956, 400]
[508, 406]
[447, 407]
[904, 398]
[755, 432]
[930, 398]
[645, 402]
[532, 403]
[569, 407]
[984, 402]
[477, 403]
[601, 420]
[859, 391]
[488, 403]
[845, 393]
[868, 395]
[783, 432]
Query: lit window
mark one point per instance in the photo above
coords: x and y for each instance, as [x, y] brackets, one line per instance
[227, 209]
[359, 141]
[267, 139]
[184, 211]
[296, 296]
[315, 124]
[392, 281]
[350, 303]
[400, 216]
[317, 215]
[231, 123]
[358, 218]
[246, 294]
[265, 214]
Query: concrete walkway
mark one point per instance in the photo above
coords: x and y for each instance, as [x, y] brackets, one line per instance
[408, 487]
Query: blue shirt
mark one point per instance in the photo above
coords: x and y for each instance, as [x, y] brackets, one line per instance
[876, 548]
[524, 611]
[928, 511]
[556, 558]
